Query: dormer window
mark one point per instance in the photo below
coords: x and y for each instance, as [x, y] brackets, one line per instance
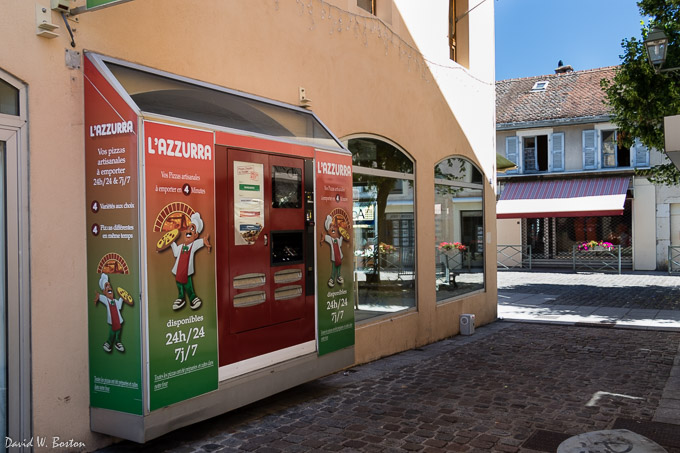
[540, 86]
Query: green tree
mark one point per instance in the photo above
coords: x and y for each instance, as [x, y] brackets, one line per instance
[639, 97]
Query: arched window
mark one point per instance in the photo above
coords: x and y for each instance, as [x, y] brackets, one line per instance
[384, 228]
[459, 228]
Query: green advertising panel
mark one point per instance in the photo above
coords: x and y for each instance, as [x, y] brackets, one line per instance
[334, 260]
[113, 302]
[180, 227]
[97, 3]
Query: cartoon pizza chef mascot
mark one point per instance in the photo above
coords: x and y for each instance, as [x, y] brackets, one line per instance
[334, 240]
[113, 316]
[184, 262]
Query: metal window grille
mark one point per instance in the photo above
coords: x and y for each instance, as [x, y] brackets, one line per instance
[552, 238]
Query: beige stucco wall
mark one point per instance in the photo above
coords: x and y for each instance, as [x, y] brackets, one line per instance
[644, 226]
[509, 233]
[359, 81]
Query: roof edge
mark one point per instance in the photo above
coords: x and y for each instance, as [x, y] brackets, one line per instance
[566, 74]
[554, 122]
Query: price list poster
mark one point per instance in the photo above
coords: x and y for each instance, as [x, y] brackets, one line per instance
[113, 295]
[180, 232]
[335, 252]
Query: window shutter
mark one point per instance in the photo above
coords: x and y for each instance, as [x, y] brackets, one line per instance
[512, 151]
[589, 150]
[640, 154]
[557, 151]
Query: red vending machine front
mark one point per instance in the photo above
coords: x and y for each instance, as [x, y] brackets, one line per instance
[263, 302]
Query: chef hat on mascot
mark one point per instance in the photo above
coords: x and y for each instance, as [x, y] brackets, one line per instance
[329, 221]
[103, 280]
[196, 220]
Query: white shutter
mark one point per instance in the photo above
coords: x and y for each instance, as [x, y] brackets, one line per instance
[557, 151]
[589, 150]
[639, 154]
[512, 151]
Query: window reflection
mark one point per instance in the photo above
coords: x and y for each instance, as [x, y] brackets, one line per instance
[459, 228]
[384, 229]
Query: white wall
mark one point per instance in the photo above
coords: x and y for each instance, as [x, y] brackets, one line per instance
[470, 93]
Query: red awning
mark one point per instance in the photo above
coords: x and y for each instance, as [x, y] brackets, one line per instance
[563, 198]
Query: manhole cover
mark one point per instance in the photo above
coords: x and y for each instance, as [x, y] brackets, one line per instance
[610, 441]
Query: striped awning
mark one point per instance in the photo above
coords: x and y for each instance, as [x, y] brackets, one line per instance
[563, 198]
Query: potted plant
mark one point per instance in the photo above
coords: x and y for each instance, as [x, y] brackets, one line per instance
[451, 247]
[596, 246]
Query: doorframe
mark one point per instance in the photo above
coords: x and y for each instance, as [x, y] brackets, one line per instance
[14, 132]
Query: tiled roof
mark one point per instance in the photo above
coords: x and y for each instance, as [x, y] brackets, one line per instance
[570, 95]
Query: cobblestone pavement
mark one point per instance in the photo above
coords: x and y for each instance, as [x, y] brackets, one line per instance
[510, 387]
[635, 290]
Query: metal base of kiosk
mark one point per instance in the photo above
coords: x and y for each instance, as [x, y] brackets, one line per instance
[231, 394]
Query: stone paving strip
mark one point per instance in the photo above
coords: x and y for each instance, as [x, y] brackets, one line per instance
[498, 390]
[635, 300]
[633, 290]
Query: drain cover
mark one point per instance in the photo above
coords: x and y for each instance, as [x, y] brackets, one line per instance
[542, 440]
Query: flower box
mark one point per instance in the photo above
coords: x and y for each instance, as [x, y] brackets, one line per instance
[595, 246]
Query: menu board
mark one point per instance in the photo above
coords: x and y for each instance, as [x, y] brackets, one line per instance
[334, 258]
[248, 202]
[180, 231]
[113, 295]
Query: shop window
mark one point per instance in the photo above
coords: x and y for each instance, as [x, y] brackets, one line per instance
[15, 306]
[367, 5]
[459, 228]
[384, 228]
[552, 238]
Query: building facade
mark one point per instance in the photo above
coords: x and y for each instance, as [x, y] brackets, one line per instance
[403, 91]
[575, 180]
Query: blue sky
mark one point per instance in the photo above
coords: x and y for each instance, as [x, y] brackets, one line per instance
[533, 35]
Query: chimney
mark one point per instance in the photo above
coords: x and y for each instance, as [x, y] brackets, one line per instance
[562, 68]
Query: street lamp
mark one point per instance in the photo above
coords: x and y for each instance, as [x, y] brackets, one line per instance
[656, 45]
